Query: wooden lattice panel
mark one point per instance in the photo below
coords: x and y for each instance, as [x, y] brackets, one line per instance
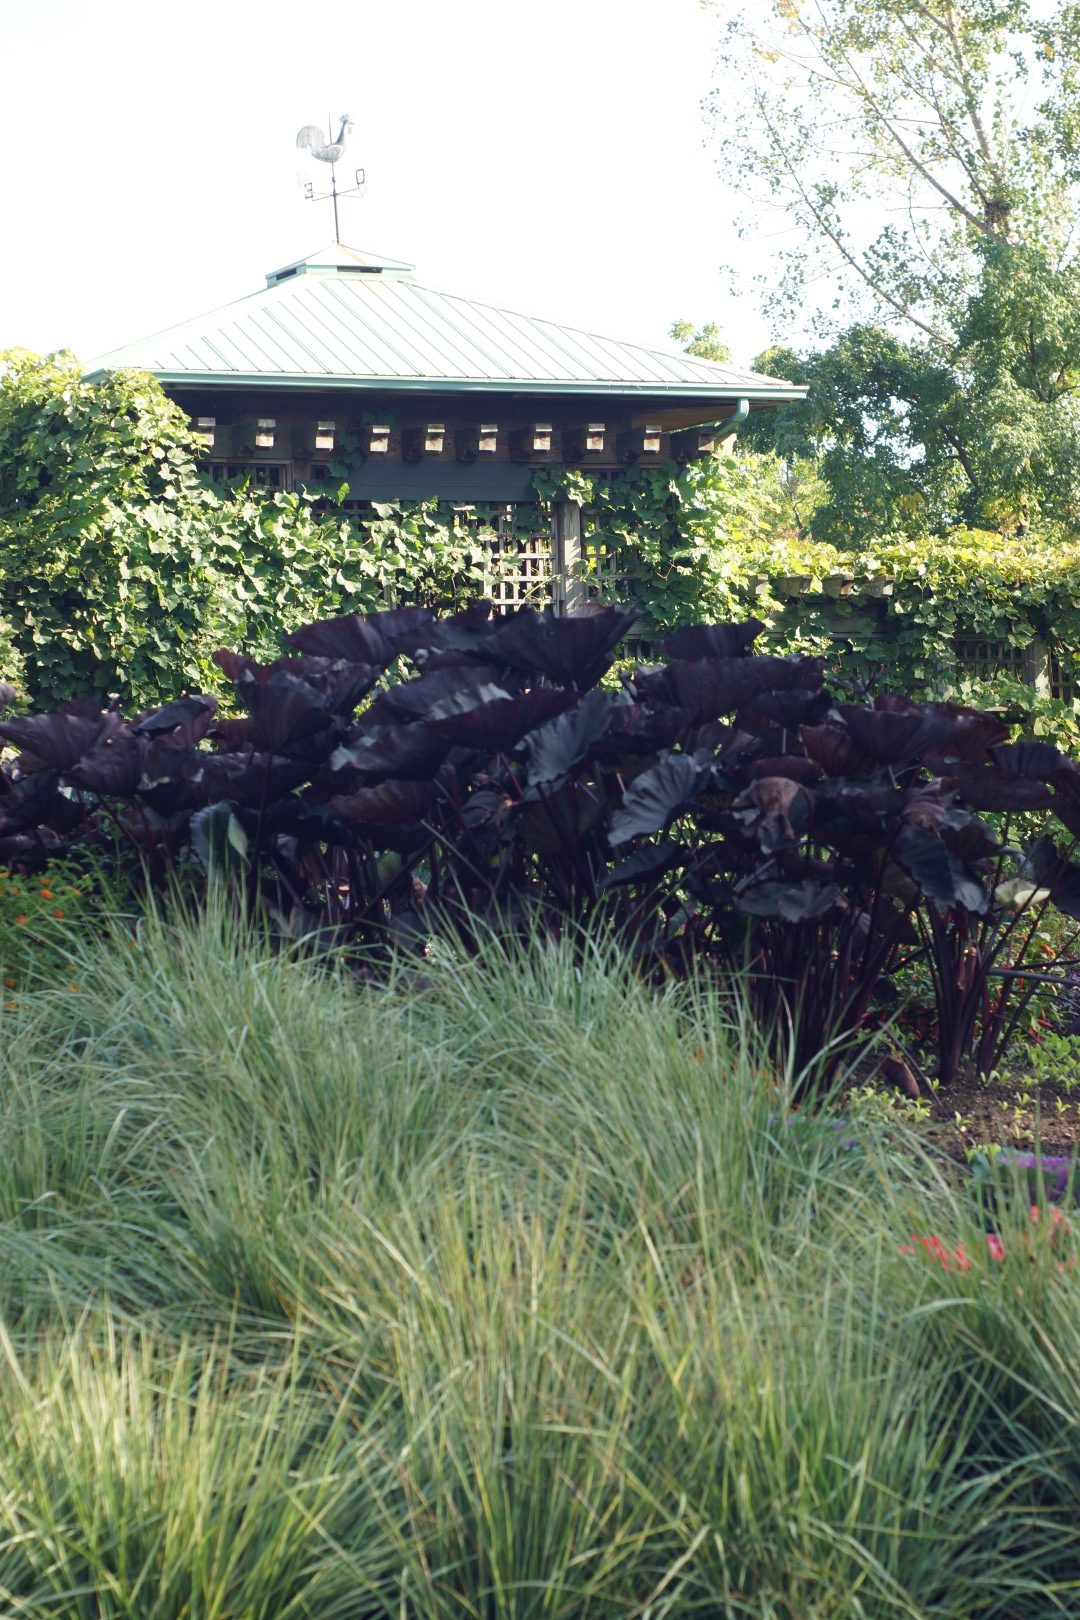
[261, 474]
[604, 577]
[1062, 680]
[521, 564]
[605, 574]
[985, 659]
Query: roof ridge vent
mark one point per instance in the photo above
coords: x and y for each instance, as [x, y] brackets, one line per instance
[337, 260]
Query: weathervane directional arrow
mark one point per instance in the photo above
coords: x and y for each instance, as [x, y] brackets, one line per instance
[327, 150]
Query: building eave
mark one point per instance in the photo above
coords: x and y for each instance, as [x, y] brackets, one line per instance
[467, 385]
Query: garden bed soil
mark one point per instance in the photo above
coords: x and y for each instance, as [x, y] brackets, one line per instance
[1015, 1112]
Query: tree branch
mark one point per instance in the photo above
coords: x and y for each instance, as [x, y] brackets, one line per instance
[834, 237]
[962, 456]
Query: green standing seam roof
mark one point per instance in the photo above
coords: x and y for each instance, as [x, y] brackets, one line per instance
[342, 318]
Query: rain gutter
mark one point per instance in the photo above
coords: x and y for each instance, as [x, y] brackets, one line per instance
[732, 424]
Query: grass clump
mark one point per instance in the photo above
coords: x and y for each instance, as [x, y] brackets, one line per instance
[506, 1293]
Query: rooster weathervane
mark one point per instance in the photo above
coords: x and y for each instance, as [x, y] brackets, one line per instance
[327, 150]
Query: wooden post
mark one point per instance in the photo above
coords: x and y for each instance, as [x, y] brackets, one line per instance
[565, 556]
[1037, 667]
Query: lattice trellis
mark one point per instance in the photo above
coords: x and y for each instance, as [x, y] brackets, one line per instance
[1039, 664]
[604, 571]
[1062, 678]
[261, 474]
[985, 659]
[520, 559]
[604, 577]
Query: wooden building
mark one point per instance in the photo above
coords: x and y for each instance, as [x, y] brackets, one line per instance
[346, 359]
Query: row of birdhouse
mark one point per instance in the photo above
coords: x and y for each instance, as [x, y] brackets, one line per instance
[336, 438]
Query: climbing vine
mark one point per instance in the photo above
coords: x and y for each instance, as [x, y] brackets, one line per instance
[122, 568]
[723, 540]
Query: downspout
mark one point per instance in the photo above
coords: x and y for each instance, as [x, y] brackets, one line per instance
[731, 424]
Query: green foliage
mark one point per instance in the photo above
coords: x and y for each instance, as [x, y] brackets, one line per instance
[122, 568]
[898, 139]
[705, 341]
[37, 916]
[914, 438]
[688, 540]
[520, 1297]
[729, 538]
[927, 158]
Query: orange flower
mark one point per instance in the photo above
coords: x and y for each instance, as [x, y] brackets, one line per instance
[58, 913]
[46, 894]
[22, 917]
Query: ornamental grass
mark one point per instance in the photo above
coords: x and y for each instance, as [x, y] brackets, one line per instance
[499, 1289]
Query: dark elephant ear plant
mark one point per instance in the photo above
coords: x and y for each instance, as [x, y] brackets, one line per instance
[719, 808]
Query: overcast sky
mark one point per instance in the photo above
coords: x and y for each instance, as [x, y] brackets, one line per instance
[549, 157]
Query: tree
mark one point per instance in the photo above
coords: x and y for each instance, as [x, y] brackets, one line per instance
[705, 341]
[954, 385]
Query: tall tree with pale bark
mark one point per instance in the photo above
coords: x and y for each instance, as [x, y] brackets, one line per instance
[917, 165]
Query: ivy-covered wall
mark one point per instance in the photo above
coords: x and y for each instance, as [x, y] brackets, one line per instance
[122, 569]
[719, 541]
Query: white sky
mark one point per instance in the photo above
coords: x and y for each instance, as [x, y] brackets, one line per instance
[551, 157]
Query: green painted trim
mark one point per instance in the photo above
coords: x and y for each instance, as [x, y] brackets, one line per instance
[445, 481]
[448, 385]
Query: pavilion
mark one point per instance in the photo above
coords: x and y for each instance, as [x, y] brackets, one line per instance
[345, 360]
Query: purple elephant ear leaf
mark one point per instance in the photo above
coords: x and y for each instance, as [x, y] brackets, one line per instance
[889, 737]
[244, 779]
[374, 639]
[1030, 758]
[1066, 800]
[284, 711]
[113, 768]
[637, 728]
[351, 638]
[655, 796]
[391, 803]
[648, 862]
[653, 684]
[411, 753]
[940, 877]
[59, 739]
[556, 748]
[405, 628]
[793, 765]
[706, 688]
[973, 735]
[195, 714]
[789, 708]
[28, 802]
[572, 650]
[239, 668]
[793, 902]
[989, 787]
[414, 700]
[711, 640]
[498, 724]
[833, 748]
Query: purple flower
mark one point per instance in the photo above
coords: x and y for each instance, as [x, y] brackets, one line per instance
[1054, 1170]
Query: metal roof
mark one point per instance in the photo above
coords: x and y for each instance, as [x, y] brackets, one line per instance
[343, 318]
